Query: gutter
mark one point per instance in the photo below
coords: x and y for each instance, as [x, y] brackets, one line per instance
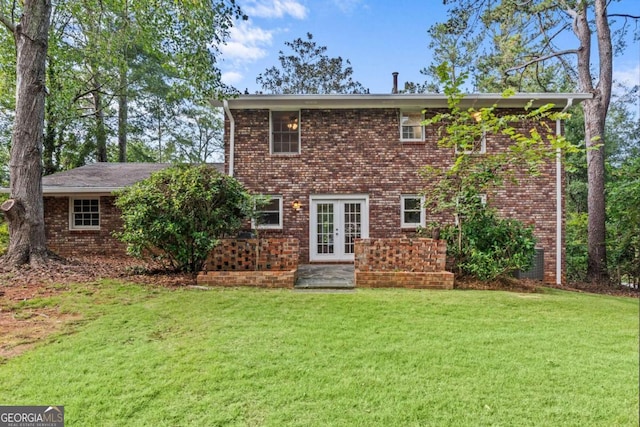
[559, 199]
[232, 134]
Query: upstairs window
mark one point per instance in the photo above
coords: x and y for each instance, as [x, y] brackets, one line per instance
[411, 128]
[269, 215]
[84, 214]
[411, 211]
[285, 132]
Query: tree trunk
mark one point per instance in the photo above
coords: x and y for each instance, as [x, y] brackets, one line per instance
[101, 130]
[24, 210]
[123, 113]
[596, 232]
[595, 113]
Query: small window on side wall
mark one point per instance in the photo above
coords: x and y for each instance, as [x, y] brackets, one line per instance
[285, 132]
[84, 214]
[411, 211]
[269, 215]
[411, 128]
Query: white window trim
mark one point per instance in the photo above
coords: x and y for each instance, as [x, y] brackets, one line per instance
[291, 153]
[271, 226]
[483, 146]
[402, 211]
[422, 128]
[72, 225]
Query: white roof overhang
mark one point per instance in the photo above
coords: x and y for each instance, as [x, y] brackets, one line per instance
[402, 101]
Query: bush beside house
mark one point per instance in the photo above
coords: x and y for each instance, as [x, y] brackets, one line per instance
[180, 213]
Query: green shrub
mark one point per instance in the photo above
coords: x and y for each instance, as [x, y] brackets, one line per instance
[4, 237]
[4, 229]
[180, 213]
[484, 246]
[576, 246]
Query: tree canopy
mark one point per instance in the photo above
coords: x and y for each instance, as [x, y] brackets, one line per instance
[144, 59]
[524, 46]
[127, 73]
[309, 70]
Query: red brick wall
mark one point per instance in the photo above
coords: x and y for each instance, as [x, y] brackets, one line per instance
[254, 254]
[355, 151]
[67, 242]
[259, 279]
[415, 254]
[235, 262]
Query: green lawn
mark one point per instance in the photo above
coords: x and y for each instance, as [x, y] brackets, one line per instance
[156, 357]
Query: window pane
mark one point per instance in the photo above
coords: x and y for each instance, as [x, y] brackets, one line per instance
[411, 127]
[412, 217]
[269, 214]
[270, 218]
[285, 131]
[412, 204]
[86, 213]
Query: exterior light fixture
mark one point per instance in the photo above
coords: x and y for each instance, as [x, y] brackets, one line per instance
[296, 205]
[293, 124]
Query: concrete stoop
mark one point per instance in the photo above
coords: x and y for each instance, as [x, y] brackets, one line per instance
[325, 276]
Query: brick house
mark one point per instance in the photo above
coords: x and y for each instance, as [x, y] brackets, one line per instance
[340, 167]
[79, 212]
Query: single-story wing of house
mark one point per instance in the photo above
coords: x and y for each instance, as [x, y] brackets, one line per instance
[79, 212]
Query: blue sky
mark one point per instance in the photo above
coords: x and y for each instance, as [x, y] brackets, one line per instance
[377, 36]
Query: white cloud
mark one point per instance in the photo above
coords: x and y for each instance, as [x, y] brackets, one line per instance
[629, 76]
[274, 8]
[232, 77]
[347, 6]
[247, 43]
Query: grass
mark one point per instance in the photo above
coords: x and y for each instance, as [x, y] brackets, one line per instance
[374, 357]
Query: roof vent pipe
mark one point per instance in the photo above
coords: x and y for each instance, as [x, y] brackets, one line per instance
[395, 82]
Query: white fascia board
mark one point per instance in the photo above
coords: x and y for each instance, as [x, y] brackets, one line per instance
[69, 191]
[478, 100]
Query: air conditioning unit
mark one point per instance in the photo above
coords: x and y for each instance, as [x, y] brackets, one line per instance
[536, 272]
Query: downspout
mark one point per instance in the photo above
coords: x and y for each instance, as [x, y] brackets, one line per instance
[232, 134]
[559, 199]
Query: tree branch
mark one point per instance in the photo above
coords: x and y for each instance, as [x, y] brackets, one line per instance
[623, 15]
[542, 58]
[7, 23]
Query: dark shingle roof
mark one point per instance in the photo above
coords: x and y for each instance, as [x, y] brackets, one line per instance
[102, 177]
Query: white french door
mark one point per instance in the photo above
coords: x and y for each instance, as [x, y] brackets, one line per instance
[336, 221]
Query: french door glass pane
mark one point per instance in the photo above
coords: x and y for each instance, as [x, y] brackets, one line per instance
[352, 225]
[325, 228]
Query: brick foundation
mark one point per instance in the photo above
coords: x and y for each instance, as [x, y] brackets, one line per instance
[402, 263]
[404, 279]
[260, 279]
